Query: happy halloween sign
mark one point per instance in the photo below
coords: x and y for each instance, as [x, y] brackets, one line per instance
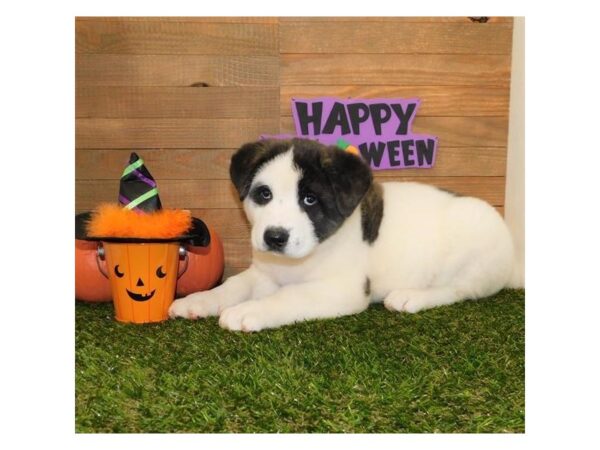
[381, 129]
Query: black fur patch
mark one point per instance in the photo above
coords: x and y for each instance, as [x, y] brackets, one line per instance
[371, 210]
[339, 181]
[251, 157]
[258, 195]
[367, 286]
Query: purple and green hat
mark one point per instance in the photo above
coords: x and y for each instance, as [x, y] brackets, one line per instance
[138, 190]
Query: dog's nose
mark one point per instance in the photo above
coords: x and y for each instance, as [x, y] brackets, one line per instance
[276, 238]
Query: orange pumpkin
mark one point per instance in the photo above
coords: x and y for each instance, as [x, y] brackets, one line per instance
[90, 284]
[205, 267]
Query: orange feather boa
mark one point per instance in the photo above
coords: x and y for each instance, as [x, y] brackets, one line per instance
[110, 220]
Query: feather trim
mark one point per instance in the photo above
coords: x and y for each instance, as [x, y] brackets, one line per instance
[110, 220]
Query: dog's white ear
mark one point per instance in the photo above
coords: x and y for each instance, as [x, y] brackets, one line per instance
[350, 178]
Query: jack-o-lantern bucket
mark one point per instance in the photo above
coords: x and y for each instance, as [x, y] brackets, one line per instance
[143, 277]
[141, 245]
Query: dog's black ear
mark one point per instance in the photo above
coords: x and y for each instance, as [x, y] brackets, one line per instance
[249, 158]
[244, 164]
[350, 178]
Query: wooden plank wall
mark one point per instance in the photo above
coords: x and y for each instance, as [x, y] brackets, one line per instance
[186, 92]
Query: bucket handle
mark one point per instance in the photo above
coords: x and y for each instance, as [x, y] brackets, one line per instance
[101, 256]
[183, 256]
[101, 260]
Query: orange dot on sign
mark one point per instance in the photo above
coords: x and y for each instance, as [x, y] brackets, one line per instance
[352, 149]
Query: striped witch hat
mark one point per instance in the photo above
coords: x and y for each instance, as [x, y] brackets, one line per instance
[138, 190]
[139, 216]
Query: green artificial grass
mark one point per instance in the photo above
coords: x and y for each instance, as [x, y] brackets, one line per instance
[457, 368]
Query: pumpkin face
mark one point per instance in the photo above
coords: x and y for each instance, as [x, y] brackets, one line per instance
[204, 268]
[90, 284]
[142, 277]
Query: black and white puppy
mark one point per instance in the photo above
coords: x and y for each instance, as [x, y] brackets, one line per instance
[327, 241]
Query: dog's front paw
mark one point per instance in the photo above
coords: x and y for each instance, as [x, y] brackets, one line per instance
[248, 316]
[195, 306]
[406, 300]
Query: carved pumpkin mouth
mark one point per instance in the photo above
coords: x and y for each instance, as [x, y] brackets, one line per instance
[140, 297]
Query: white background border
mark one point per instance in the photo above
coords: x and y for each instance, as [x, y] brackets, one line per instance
[562, 163]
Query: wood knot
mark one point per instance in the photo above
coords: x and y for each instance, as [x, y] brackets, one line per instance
[479, 19]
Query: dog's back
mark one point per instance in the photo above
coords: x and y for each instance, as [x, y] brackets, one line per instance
[432, 238]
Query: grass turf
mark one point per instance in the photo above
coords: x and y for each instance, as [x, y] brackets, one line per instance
[458, 368]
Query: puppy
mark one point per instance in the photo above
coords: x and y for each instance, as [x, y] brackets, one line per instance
[327, 240]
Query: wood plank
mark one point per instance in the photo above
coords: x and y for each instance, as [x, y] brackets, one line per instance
[238, 252]
[189, 164]
[227, 222]
[406, 19]
[193, 19]
[174, 38]
[203, 194]
[395, 37]
[170, 133]
[459, 162]
[405, 70]
[451, 131]
[180, 164]
[187, 194]
[176, 102]
[176, 70]
[435, 100]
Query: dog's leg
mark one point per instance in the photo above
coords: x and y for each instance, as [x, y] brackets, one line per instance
[415, 300]
[236, 289]
[295, 303]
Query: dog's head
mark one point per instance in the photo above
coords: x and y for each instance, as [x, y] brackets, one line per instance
[297, 193]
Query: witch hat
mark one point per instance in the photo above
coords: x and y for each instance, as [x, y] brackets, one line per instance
[139, 216]
[138, 189]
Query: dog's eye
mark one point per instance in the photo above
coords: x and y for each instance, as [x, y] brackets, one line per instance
[265, 193]
[261, 195]
[309, 200]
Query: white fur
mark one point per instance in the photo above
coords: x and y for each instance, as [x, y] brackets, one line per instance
[282, 178]
[433, 249]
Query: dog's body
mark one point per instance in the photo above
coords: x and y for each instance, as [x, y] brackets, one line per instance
[328, 241]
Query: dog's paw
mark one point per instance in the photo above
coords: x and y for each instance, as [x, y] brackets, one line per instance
[406, 300]
[248, 316]
[195, 306]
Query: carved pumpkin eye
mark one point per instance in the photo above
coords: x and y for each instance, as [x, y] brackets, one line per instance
[117, 273]
[160, 273]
